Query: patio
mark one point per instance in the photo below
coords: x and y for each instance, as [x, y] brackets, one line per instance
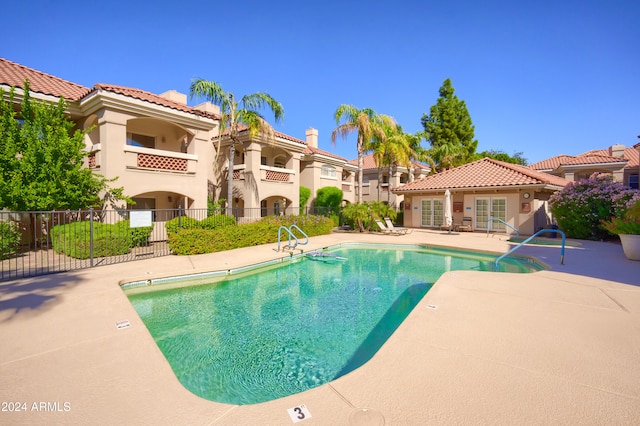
[555, 347]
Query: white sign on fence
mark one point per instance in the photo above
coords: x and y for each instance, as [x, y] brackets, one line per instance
[139, 218]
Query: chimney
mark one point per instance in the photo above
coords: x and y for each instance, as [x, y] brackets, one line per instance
[208, 107]
[312, 137]
[175, 96]
[617, 151]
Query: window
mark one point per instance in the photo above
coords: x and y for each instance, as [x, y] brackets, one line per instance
[263, 161]
[328, 172]
[633, 182]
[135, 139]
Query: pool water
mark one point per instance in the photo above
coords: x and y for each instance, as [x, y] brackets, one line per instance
[284, 329]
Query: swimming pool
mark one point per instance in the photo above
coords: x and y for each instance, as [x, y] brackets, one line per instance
[260, 333]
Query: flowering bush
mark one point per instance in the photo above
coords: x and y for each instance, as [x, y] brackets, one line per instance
[582, 206]
[629, 224]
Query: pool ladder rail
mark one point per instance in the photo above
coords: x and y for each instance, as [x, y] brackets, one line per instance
[291, 237]
[492, 219]
[557, 231]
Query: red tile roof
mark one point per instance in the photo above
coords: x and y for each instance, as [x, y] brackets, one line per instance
[599, 156]
[13, 74]
[369, 163]
[150, 97]
[485, 173]
[243, 128]
[311, 150]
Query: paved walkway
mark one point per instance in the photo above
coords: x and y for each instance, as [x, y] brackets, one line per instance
[555, 347]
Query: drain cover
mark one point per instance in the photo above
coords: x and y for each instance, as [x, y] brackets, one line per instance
[366, 417]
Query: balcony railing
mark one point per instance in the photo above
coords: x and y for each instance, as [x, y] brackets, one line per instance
[276, 174]
[155, 159]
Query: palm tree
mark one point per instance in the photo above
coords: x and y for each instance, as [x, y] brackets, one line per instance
[367, 124]
[398, 152]
[234, 113]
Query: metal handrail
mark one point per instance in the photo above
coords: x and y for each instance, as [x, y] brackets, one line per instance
[491, 219]
[557, 231]
[291, 236]
[292, 227]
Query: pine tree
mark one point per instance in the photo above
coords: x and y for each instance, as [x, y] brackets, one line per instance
[449, 130]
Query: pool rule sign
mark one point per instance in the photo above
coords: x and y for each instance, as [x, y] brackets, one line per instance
[299, 413]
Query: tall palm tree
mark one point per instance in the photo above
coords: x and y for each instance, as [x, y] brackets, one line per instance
[234, 113]
[367, 124]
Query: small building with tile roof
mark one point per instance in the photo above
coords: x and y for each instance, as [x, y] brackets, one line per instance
[619, 161]
[483, 192]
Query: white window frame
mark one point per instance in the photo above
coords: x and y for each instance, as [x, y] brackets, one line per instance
[432, 212]
[493, 210]
[328, 172]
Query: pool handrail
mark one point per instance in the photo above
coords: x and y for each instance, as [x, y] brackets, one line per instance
[557, 231]
[491, 219]
[291, 236]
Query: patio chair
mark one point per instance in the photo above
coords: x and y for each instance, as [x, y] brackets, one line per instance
[386, 230]
[399, 229]
[466, 225]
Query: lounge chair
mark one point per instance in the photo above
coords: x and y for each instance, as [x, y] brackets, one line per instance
[399, 229]
[386, 230]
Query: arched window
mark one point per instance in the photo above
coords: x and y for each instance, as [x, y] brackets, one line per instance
[328, 172]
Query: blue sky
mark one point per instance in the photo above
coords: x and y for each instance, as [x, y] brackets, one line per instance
[542, 78]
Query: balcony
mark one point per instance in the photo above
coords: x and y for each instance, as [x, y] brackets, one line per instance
[276, 174]
[159, 160]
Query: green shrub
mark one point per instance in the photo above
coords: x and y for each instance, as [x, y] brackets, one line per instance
[265, 231]
[305, 194]
[217, 221]
[74, 239]
[9, 239]
[329, 198]
[181, 222]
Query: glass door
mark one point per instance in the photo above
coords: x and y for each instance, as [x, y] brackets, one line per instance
[432, 212]
[488, 207]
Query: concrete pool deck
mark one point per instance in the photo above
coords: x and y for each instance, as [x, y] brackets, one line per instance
[560, 346]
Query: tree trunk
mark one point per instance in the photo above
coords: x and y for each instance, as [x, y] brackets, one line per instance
[232, 154]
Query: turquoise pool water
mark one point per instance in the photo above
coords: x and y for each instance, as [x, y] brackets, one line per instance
[288, 327]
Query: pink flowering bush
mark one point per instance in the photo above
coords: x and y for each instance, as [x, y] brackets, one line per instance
[582, 206]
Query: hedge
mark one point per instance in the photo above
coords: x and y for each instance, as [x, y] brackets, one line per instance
[201, 241]
[74, 239]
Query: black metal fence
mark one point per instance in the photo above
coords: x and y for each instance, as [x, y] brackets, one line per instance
[43, 242]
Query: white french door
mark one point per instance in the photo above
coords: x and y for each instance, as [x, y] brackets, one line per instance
[432, 212]
[487, 207]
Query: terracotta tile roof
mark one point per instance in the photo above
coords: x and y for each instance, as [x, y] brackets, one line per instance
[150, 97]
[369, 163]
[630, 154]
[485, 173]
[13, 74]
[597, 156]
[243, 128]
[311, 150]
